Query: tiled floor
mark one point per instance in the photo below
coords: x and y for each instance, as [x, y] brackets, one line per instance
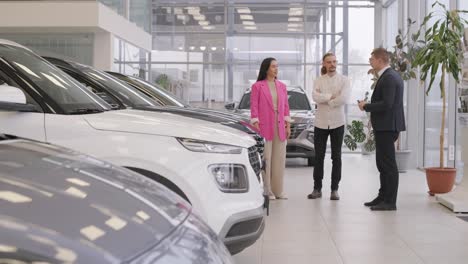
[322, 231]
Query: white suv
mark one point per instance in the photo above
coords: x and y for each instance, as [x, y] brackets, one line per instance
[206, 163]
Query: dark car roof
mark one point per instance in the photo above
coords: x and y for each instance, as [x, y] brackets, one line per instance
[74, 208]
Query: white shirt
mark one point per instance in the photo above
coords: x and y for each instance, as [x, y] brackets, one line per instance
[330, 114]
[383, 70]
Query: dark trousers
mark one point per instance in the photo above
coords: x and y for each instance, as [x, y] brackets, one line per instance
[386, 164]
[320, 143]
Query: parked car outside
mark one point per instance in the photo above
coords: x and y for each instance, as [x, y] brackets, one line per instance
[301, 142]
[206, 163]
[61, 206]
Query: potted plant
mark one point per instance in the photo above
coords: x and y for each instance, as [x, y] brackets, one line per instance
[442, 51]
[355, 135]
[401, 58]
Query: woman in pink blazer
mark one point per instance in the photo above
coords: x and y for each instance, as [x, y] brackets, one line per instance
[270, 115]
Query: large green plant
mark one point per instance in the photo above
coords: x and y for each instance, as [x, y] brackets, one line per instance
[441, 50]
[355, 135]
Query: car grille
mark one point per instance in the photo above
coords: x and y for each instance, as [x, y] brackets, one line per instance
[254, 159]
[296, 129]
[260, 144]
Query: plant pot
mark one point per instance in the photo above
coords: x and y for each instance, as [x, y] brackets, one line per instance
[440, 180]
[402, 159]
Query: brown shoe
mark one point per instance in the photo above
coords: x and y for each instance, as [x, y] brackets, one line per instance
[315, 194]
[334, 196]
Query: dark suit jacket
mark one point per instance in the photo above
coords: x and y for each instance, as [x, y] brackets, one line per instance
[386, 105]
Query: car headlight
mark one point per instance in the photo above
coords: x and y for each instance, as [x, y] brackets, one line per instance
[210, 147]
[230, 178]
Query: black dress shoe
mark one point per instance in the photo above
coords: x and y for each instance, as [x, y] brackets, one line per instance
[374, 202]
[383, 207]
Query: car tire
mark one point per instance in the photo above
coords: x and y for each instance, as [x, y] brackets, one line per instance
[311, 161]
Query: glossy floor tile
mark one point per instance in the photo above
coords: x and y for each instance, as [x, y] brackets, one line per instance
[320, 231]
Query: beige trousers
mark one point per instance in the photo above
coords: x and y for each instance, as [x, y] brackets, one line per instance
[275, 159]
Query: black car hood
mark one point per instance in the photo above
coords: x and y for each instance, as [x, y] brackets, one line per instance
[239, 123]
[61, 195]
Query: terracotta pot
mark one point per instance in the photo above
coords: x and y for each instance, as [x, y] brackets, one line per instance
[440, 180]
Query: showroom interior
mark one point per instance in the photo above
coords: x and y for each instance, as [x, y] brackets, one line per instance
[136, 113]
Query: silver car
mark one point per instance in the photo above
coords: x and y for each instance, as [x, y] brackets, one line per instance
[59, 206]
[301, 143]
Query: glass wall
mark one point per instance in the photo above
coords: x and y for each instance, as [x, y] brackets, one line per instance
[130, 60]
[137, 11]
[211, 53]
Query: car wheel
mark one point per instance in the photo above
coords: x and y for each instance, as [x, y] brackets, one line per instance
[310, 162]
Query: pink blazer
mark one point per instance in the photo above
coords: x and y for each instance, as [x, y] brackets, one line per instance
[261, 109]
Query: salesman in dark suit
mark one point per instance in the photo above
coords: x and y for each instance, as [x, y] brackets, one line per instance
[388, 119]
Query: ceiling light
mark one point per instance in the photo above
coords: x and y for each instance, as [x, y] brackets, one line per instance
[246, 17]
[208, 27]
[116, 223]
[294, 29]
[295, 19]
[14, 197]
[213, 48]
[243, 10]
[193, 12]
[293, 25]
[78, 182]
[250, 27]
[236, 49]
[76, 192]
[202, 48]
[248, 23]
[92, 232]
[7, 249]
[199, 17]
[181, 17]
[192, 47]
[296, 11]
[181, 48]
[143, 215]
[203, 23]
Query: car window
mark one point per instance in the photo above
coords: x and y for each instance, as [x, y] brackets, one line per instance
[104, 95]
[67, 93]
[126, 94]
[296, 100]
[165, 96]
[5, 80]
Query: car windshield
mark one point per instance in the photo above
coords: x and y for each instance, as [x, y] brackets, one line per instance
[67, 93]
[296, 100]
[166, 97]
[127, 94]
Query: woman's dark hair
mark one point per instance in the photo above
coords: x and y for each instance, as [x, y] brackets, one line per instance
[264, 68]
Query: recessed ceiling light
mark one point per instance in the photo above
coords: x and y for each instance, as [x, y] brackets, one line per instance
[203, 23]
[181, 48]
[202, 48]
[213, 48]
[192, 48]
[235, 49]
[248, 23]
[208, 27]
[243, 10]
[293, 29]
[295, 19]
[250, 27]
[293, 25]
[246, 17]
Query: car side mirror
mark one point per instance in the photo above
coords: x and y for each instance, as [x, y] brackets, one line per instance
[13, 99]
[230, 106]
